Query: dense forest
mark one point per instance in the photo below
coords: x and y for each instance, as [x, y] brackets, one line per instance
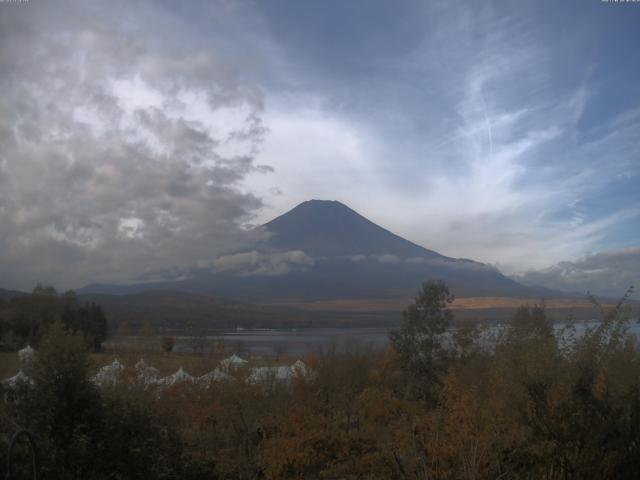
[526, 402]
[25, 319]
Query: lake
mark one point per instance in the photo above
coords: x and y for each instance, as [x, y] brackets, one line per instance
[298, 342]
[295, 342]
[323, 340]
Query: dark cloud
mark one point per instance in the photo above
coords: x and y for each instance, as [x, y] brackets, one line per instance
[607, 273]
[121, 152]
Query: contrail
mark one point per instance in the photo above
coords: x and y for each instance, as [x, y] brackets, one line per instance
[487, 122]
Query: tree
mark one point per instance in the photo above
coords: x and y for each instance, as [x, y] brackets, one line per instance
[530, 324]
[167, 343]
[28, 317]
[419, 340]
[88, 318]
[97, 326]
[83, 432]
[62, 408]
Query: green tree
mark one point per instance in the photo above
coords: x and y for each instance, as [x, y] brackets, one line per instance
[27, 317]
[88, 318]
[420, 338]
[83, 432]
[63, 408]
[30, 315]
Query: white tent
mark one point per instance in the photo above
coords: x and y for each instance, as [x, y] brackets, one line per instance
[213, 376]
[260, 374]
[109, 374]
[233, 361]
[282, 373]
[26, 354]
[181, 376]
[18, 379]
[263, 374]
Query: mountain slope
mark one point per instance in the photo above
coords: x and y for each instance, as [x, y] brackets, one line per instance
[330, 228]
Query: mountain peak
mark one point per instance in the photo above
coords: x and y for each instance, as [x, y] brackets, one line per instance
[316, 201]
[321, 204]
[331, 228]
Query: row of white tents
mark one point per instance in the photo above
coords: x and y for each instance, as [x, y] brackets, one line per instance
[148, 375]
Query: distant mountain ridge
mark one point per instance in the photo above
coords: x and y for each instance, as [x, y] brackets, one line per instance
[9, 294]
[323, 250]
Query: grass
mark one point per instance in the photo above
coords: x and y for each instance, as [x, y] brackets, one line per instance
[9, 364]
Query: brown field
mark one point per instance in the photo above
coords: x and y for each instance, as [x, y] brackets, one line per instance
[467, 303]
[506, 302]
[9, 364]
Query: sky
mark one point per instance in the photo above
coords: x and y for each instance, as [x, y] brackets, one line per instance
[149, 136]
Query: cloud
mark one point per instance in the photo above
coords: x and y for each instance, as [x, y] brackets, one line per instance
[451, 263]
[136, 137]
[259, 263]
[121, 152]
[606, 273]
[316, 153]
[388, 258]
[474, 140]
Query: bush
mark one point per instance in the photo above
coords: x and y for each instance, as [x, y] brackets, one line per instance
[84, 433]
[167, 343]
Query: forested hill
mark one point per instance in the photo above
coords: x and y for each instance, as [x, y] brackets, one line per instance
[9, 294]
